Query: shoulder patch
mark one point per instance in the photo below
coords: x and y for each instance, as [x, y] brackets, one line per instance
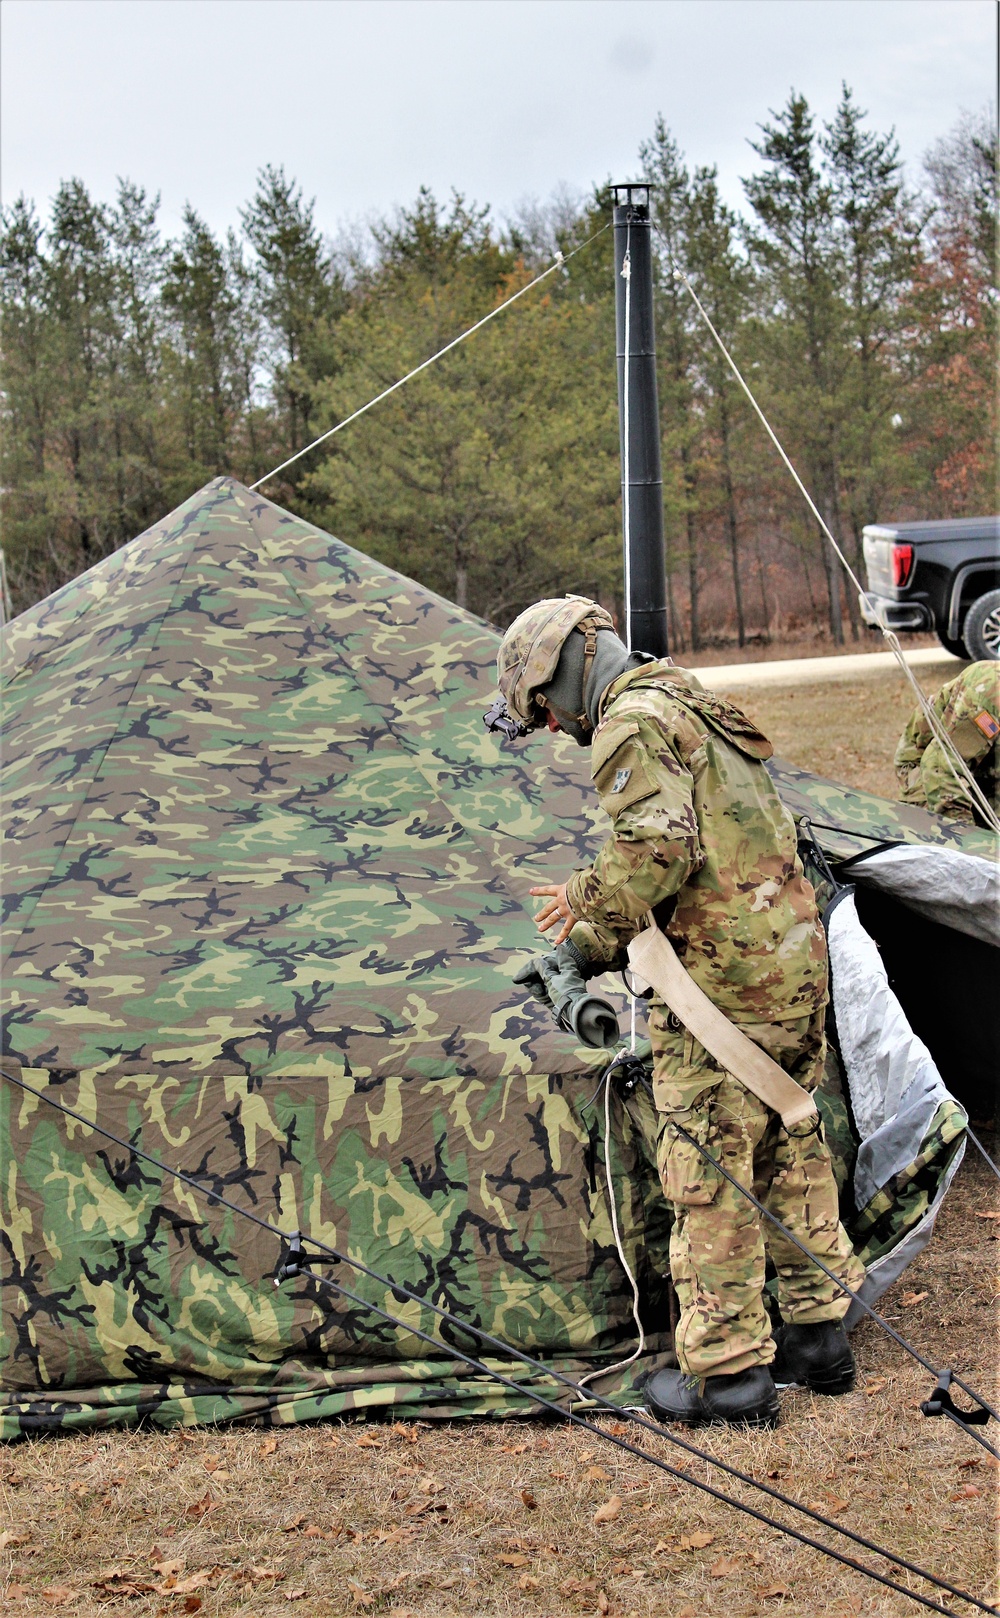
[619, 765]
[987, 724]
[607, 741]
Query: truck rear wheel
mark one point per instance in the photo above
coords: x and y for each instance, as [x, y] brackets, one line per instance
[955, 647]
[982, 628]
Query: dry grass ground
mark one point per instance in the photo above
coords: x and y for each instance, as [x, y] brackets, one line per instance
[845, 731]
[461, 1520]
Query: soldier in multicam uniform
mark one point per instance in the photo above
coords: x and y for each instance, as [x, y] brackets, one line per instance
[969, 709]
[702, 843]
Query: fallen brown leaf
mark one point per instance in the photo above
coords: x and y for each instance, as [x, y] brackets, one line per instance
[696, 1542]
[192, 1603]
[58, 1595]
[660, 1546]
[722, 1568]
[295, 1524]
[13, 1536]
[910, 1298]
[609, 1511]
[559, 1475]
[603, 1604]
[514, 1449]
[194, 1581]
[578, 1587]
[258, 1574]
[295, 1595]
[430, 1485]
[269, 1446]
[165, 1567]
[597, 1474]
[513, 1559]
[528, 1499]
[202, 1507]
[360, 1596]
[968, 1491]
[875, 1386]
[987, 1215]
[367, 1441]
[774, 1592]
[526, 1582]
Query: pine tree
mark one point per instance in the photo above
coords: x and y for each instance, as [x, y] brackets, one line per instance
[878, 233]
[677, 350]
[803, 351]
[722, 279]
[301, 296]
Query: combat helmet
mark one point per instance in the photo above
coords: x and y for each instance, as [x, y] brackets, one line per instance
[530, 651]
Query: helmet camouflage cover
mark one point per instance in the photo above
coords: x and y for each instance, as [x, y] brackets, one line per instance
[530, 650]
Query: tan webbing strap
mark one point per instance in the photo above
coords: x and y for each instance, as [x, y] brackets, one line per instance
[651, 956]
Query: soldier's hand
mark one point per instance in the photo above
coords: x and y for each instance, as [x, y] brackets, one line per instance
[557, 909]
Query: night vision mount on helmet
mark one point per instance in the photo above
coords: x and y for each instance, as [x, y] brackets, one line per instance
[529, 655]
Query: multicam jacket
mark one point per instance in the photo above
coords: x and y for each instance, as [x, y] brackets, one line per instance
[969, 709]
[697, 821]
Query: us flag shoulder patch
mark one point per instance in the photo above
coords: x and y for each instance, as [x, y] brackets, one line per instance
[987, 724]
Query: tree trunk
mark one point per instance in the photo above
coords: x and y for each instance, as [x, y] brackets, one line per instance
[832, 565]
[727, 472]
[692, 548]
[674, 636]
[763, 593]
[833, 519]
[461, 582]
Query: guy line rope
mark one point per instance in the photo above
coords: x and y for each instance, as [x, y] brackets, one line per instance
[956, 763]
[559, 261]
[298, 1262]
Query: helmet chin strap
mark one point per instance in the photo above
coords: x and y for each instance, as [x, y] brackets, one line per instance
[564, 720]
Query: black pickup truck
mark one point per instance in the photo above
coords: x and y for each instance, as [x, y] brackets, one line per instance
[937, 575]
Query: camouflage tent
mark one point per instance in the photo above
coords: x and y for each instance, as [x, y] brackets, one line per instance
[265, 888]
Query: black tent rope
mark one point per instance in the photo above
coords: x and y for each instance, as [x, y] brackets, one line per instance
[939, 1403]
[657, 1461]
[297, 1261]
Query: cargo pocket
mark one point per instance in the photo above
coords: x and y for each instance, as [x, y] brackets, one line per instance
[688, 1179]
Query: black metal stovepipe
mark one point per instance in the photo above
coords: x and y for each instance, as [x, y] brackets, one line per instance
[639, 417]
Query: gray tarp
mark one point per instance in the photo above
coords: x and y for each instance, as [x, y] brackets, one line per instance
[894, 1084]
[959, 890]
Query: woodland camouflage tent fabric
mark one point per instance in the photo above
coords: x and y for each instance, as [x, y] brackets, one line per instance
[266, 886]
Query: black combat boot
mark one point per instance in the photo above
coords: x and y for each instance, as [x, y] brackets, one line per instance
[817, 1356]
[747, 1398]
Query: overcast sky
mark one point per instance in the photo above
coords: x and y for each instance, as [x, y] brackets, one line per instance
[365, 100]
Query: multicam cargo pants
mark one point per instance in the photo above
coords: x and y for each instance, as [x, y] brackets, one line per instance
[719, 1242]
